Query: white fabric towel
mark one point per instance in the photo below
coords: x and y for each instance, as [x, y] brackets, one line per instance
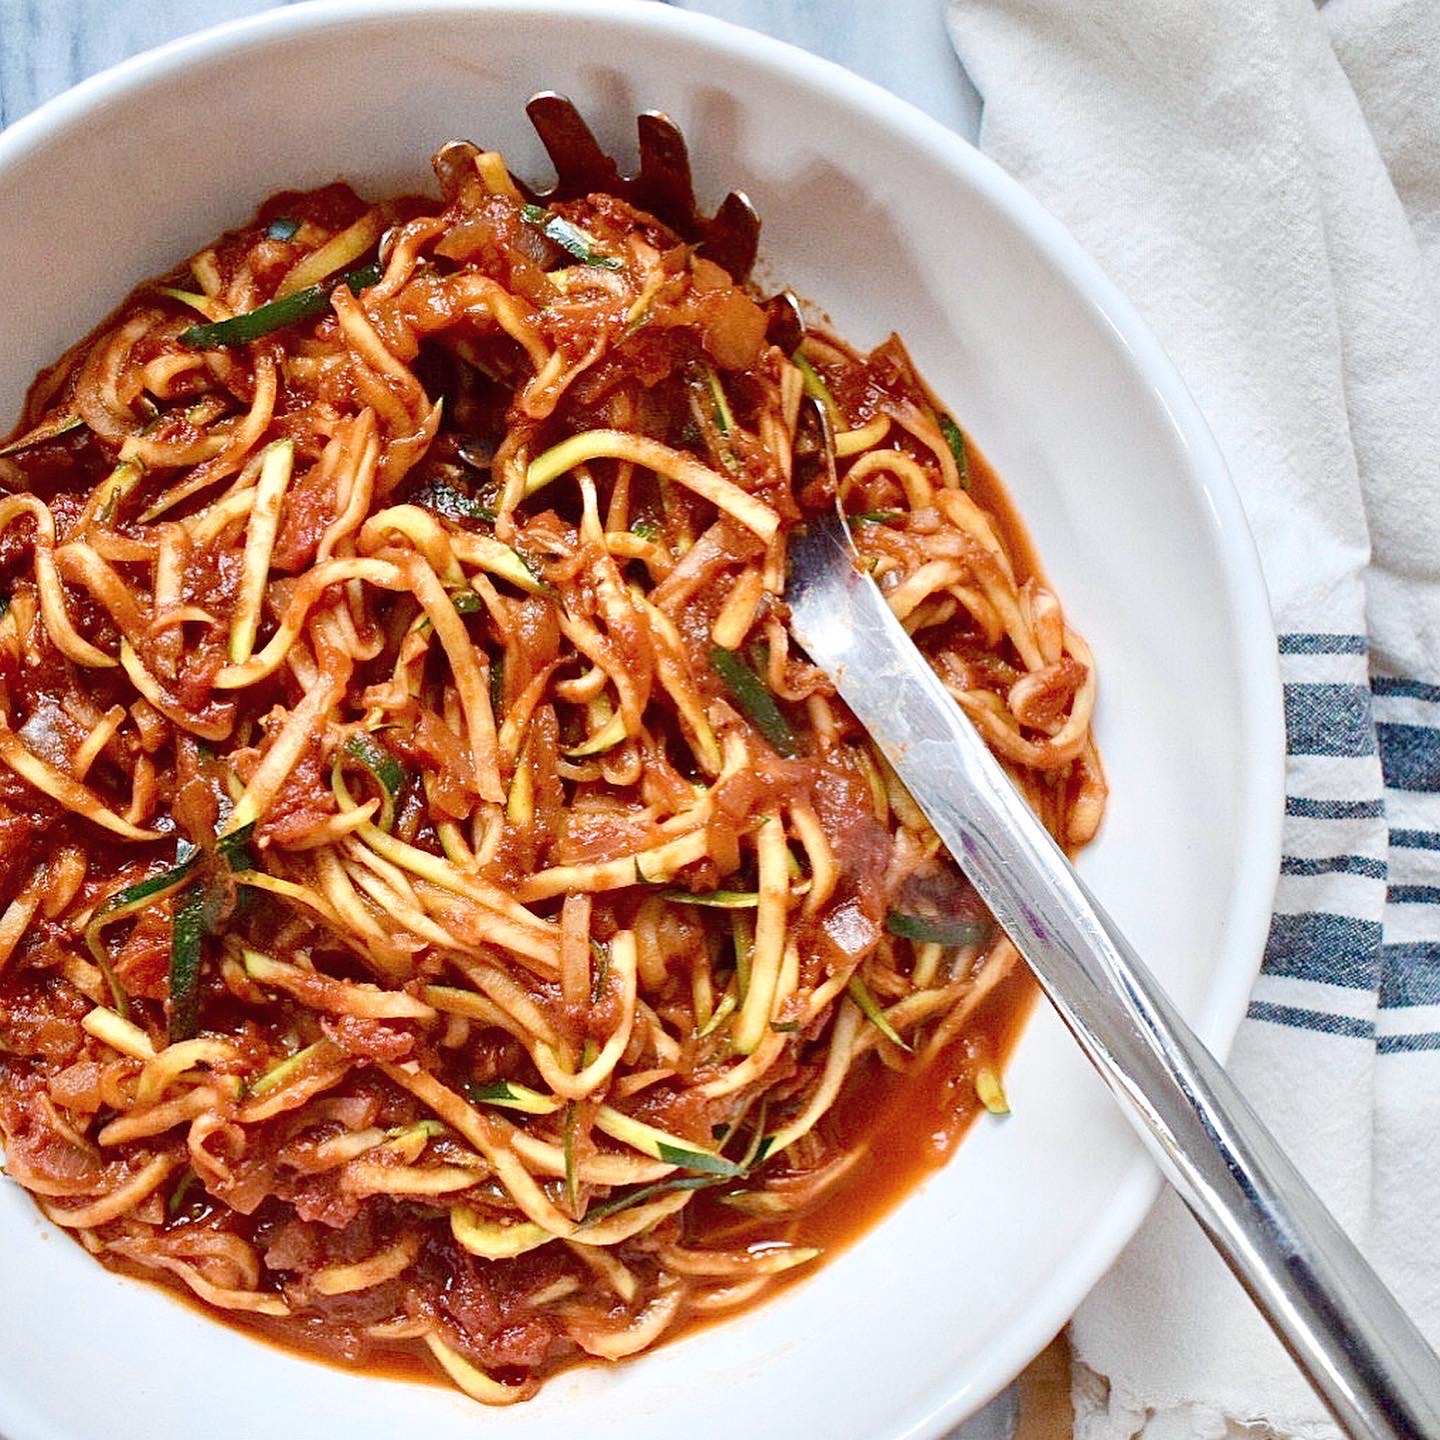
[1262, 177]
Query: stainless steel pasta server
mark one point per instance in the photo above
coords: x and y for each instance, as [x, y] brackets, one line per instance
[1358, 1348]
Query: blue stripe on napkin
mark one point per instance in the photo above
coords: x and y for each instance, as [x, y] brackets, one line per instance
[1410, 756]
[1329, 949]
[1411, 975]
[1414, 895]
[1403, 1044]
[1317, 1020]
[1359, 883]
[1334, 865]
[1295, 644]
[1301, 805]
[1329, 719]
[1413, 689]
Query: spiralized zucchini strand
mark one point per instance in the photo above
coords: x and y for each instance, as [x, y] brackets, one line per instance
[441, 907]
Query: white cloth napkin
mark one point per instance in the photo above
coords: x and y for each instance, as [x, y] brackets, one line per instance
[1262, 177]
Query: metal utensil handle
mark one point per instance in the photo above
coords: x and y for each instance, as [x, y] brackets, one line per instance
[1362, 1353]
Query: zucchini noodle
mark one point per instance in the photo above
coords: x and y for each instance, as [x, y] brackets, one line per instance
[441, 911]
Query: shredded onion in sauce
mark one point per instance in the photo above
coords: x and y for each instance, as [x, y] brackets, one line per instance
[439, 907]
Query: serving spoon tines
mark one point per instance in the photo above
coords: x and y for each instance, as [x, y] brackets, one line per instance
[1358, 1348]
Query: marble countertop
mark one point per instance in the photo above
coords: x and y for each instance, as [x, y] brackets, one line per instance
[49, 45]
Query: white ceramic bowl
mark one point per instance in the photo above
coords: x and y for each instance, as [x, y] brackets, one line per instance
[887, 221]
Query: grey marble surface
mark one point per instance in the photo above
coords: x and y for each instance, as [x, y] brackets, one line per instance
[48, 45]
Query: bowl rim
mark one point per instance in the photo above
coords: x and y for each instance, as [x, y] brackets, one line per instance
[1217, 1015]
